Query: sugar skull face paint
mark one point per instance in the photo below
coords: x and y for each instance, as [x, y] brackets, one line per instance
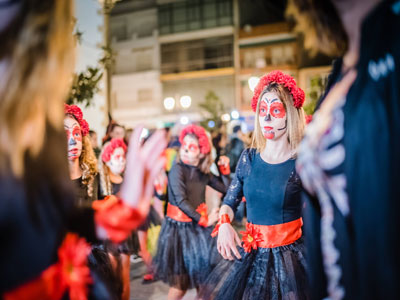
[117, 161]
[190, 151]
[272, 116]
[74, 137]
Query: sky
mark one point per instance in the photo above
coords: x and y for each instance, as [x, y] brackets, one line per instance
[89, 20]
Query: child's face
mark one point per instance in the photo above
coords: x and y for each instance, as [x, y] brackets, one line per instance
[190, 151]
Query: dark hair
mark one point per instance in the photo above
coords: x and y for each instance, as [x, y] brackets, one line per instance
[320, 25]
[236, 128]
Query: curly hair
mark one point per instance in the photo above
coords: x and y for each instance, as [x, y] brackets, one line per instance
[88, 165]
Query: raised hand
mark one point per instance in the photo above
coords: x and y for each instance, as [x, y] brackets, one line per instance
[144, 163]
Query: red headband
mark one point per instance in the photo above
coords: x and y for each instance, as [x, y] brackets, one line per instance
[282, 79]
[201, 135]
[110, 147]
[77, 113]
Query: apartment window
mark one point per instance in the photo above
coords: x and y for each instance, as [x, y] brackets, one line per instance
[194, 15]
[145, 95]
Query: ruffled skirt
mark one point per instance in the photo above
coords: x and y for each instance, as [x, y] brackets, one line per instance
[186, 254]
[266, 273]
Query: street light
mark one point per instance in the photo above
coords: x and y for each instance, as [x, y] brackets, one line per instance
[185, 101]
[169, 103]
[107, 6]
[226, 117]
[235, 114]
[253, 81]
[184, 120]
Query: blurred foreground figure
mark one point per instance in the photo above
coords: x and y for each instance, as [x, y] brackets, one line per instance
[349, 160]
[44, 254]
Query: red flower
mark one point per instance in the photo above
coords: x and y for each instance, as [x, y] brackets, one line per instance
[110, 147]
[77, 113]
[203, 211]
[283, 79]
[251, 237]
[201, 135]
[309, 118]
[75, 274]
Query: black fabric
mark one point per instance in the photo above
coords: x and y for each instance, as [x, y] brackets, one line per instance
[368, 239]
[272, 191]
[233, 150]
[187, 187]
[186, 254]
[266, 273]
[36, 211]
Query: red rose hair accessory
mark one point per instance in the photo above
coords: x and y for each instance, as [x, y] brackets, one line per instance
[202, 210]
[111, 146]
[251, 237]
[70, 273]
[117, 218]
[201, 135]
[77, 113]
[283, 79]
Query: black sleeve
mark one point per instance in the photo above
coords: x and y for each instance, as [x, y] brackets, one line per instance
[235, 191]
[219, 184]
[312, 233]
[178, 189]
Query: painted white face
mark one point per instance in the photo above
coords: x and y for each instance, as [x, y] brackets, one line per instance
[74, 137]
[117, 161]
[190, 151]
[272, 116]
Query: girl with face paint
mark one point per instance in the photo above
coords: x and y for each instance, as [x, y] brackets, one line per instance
[186, 253]
[268, 262]
[81, 158]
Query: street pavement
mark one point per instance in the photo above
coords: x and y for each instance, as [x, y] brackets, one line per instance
[152, 291]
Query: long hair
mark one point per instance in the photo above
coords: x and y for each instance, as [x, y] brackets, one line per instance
[36, 63]
[204, 163]
[320, 26]
[295, 119]
[88, 165]
[104, 171]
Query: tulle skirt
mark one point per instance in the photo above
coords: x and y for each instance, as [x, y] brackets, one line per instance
[186, 254]
[266, 273]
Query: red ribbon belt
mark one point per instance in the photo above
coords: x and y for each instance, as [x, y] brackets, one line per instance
[271, 236]
[175, 213]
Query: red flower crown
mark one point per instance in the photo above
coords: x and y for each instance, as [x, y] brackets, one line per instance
[111, 146]
[201, 135]
[77, 113]
[283, 79]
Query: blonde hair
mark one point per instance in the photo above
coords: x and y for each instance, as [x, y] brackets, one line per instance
[295, 119]
[37, 63]
[88, 165]
[320, 26]
[104, 171]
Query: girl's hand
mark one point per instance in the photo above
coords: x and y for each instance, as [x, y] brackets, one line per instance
[213, 216]
[228, 239]
[144, 163]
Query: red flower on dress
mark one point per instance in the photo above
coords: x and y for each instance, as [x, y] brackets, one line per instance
[201, 135]
[203, 211]
[111, 146]
[77, 113]
[251, 237]
[283, 79]
[75, 273]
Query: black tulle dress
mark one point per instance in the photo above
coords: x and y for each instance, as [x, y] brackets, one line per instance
[186, 253]
[272, 194]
